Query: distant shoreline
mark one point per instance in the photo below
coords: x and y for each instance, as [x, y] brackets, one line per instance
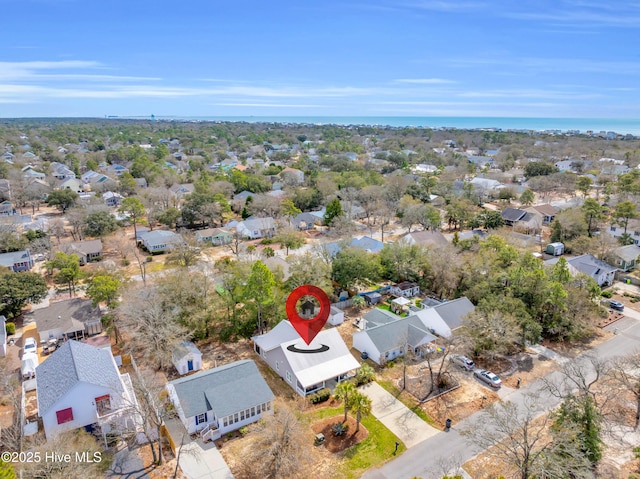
[597, 126]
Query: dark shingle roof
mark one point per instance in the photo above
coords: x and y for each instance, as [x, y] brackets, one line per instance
[513, 214]
[225, 390]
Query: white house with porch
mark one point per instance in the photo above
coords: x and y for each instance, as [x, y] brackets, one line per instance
[222, 399]
[80, 386]
[306, 368]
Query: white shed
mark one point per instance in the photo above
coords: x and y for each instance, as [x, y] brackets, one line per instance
[3, 336]
[187, 357]
[336, 316]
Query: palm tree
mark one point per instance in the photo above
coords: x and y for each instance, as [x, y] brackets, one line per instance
[361, 406]
[344, 391]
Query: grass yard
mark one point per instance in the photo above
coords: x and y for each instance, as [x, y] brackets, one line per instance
[372, 452]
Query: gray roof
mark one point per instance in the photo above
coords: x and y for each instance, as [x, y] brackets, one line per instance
[70, 315]
[513, 214]
[453, 312]
[224, 390]
[395, 334]
[9, 259]
[259, 224]
[71, 364]
[281, 333]
[305, 217]
[627, 253]
[590, 265]
[87, 247]
[378, 316]
[160, 236]
[184, 348]
[426, 238]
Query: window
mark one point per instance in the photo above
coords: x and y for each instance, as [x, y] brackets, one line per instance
[636, 233]
[253, 411]
[268, 406]
[65, 415]
[235, 417]
[242, 415]
[225, 422]
[103, 405]
[263, 406]
[613, 228]
[277, 366]
[201, 418]
[288, 376]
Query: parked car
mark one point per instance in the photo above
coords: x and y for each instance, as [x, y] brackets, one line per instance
[30, 346]
[617, 305]
[488, 377]
[462, 361]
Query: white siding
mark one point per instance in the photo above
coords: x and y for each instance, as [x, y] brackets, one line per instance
[362, 342]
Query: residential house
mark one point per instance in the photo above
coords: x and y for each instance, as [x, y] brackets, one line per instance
[186, 357]
[304, 221]
[428, 239]
[452, 313]
[115, 170]
[61, 172]
[73, 184]
[7, 209]
[588, 264]
[624, 257]
[386, 342]
[215, 236]
[17, 260]
[287, 354]
[87, 251]
[80, 386]
[182, 190]
[160, 241]
[366, 243]
[243, 195]
[8, 157]
[93, 177]
[29, 172]
[405, 289]
[73, 318]
[482, 161]
[222, 399]
[5, 189]
[545, 212]
[3, 336]
[254, 228]
[424, 168]
[278, 266]
[633, 230]
[112, 198]
[512, 215]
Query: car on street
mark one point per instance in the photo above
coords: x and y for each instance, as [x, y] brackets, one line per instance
[462, 362]
[30, 346]
[617, 305]
[488, 377]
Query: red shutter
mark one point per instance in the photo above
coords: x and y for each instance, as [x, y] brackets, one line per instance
[106, 396]
[65, 415]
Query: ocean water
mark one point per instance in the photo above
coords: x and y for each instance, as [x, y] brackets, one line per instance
[618, 125]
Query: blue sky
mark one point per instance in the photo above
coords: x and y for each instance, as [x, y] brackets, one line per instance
[531, 58]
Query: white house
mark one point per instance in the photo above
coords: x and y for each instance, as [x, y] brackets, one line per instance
[80, 385]
[633, 230]
[160, 241]
[405, 289]
[222, 399]
[306, 372]
[187, 357]
[254, 228]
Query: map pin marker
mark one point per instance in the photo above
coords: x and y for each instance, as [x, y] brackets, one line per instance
[308, 328]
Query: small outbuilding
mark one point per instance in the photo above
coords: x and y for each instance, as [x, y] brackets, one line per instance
[372, 298]
[555, 249]
[187, 357]
[336, 316]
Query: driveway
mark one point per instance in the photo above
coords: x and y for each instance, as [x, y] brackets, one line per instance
[397, 417]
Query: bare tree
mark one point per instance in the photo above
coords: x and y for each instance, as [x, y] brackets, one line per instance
[56, 228]
[280, 449]
[148, 319]
[625, 372]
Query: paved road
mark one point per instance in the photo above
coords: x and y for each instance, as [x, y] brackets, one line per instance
[427, 458]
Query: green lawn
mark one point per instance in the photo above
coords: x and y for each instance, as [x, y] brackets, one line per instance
[376, 449]
[407, 401]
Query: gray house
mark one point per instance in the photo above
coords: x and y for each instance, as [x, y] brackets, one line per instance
[160, 241]
[87, 251]
[215, 236]
[221, 400]
[304, 221]
[73, 318]
[588, 264]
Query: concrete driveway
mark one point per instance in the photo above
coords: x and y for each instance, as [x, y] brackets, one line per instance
[397, 417]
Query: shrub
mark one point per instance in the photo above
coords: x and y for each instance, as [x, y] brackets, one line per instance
[320, 396]
[607, 294]
[149, 259]
[11, 328]
[243, 430]
[125, 262]
[365, 374]
[339, 429]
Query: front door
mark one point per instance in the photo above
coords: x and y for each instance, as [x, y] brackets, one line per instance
[190, 365]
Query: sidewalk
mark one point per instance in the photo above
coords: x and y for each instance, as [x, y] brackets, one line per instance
[397, 417]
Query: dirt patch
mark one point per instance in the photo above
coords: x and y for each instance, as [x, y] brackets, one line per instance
[335, 443]
[572, 350]
[459, 403]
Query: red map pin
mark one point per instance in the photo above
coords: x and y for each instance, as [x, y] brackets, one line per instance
[308, 328]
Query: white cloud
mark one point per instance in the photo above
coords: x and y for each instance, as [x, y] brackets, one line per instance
[424, 81]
